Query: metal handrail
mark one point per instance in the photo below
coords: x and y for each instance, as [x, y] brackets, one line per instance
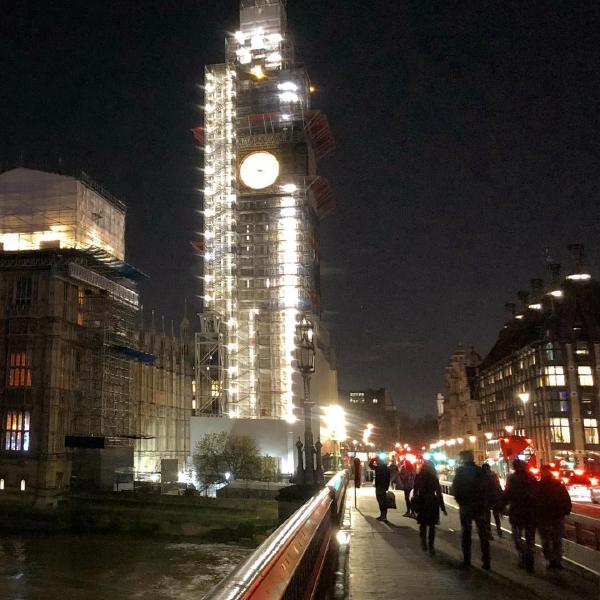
[268, 571]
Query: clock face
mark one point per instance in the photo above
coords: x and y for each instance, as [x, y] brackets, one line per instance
[259, 170]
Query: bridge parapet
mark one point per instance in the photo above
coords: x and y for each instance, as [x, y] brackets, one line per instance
[288, 564]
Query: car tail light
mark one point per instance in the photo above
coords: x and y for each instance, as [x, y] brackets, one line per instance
[534, 470]
[594, 480]
[578, 471]
[556, 475]
[565, 480]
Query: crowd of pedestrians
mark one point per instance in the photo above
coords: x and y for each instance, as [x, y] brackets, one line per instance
[530, 505]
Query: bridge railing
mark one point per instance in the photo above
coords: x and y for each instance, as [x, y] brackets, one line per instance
[288, 564]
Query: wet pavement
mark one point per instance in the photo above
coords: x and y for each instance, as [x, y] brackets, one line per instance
[386, 561]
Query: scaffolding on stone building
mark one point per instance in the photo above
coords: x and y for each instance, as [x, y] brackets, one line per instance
[209, 372]
[41, 210]
[104, 407]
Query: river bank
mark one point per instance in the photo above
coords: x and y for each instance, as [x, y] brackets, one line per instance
[212, 520]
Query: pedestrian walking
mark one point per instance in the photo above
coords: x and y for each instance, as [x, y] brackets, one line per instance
[469, 488]
[520, 495]
[382, 483]
[394, 475]
[494, 497]
[553, 504]
[407, 476]
[427, 501]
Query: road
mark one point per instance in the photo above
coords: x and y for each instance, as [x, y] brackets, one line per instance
[587, 508]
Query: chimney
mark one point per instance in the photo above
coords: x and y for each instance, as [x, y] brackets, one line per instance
[523, 296]
[577, 251]
[511, 307]
[554, 274]
[537, 288]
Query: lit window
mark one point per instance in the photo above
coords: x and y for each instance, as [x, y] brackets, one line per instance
[375, 401]
[560, 431]
[80, 303]
[590, 428]
[193, 405]
[585, 375]
[550, 352]
[2, 483]
[23, 485]
[554, 376]
[14, 434]
[582, 349]
[19, 369]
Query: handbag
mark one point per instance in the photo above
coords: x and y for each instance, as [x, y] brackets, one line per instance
[416, 503]
[390, 500]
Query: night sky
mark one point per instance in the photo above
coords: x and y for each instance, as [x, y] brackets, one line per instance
[468, 143]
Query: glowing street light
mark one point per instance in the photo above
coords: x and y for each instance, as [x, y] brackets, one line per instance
[367, 433]
[335, 423]
[472, 439]
[509, 429]
[524, 397]
[488, 435]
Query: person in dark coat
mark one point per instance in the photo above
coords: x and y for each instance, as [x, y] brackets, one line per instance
[382, 484]
[494, 498]
[406, 477]
[469, 488]
[553, 504]
[520, 495]
[394, 473]
[427, 500]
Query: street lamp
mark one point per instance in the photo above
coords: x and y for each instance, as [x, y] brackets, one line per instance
[305, 356]
[509, 429]
[336, 428]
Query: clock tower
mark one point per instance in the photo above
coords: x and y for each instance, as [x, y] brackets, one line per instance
[263, 201]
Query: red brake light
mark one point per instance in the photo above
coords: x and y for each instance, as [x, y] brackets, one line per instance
[594, 480]
[552, 465]
[556, 474]
[534, 470]
[565, 480]
[578, 471]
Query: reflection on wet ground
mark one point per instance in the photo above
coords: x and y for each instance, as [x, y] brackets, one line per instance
[103, 567]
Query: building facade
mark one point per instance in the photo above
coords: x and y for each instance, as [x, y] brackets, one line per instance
[541, 378]
[162, 393]
[263, 201]
[458, 407]
[78, 400]
[370, 407]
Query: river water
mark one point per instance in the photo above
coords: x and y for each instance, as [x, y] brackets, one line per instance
[111, 567]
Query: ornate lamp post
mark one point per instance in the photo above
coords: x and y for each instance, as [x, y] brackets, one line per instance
[305, 356]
